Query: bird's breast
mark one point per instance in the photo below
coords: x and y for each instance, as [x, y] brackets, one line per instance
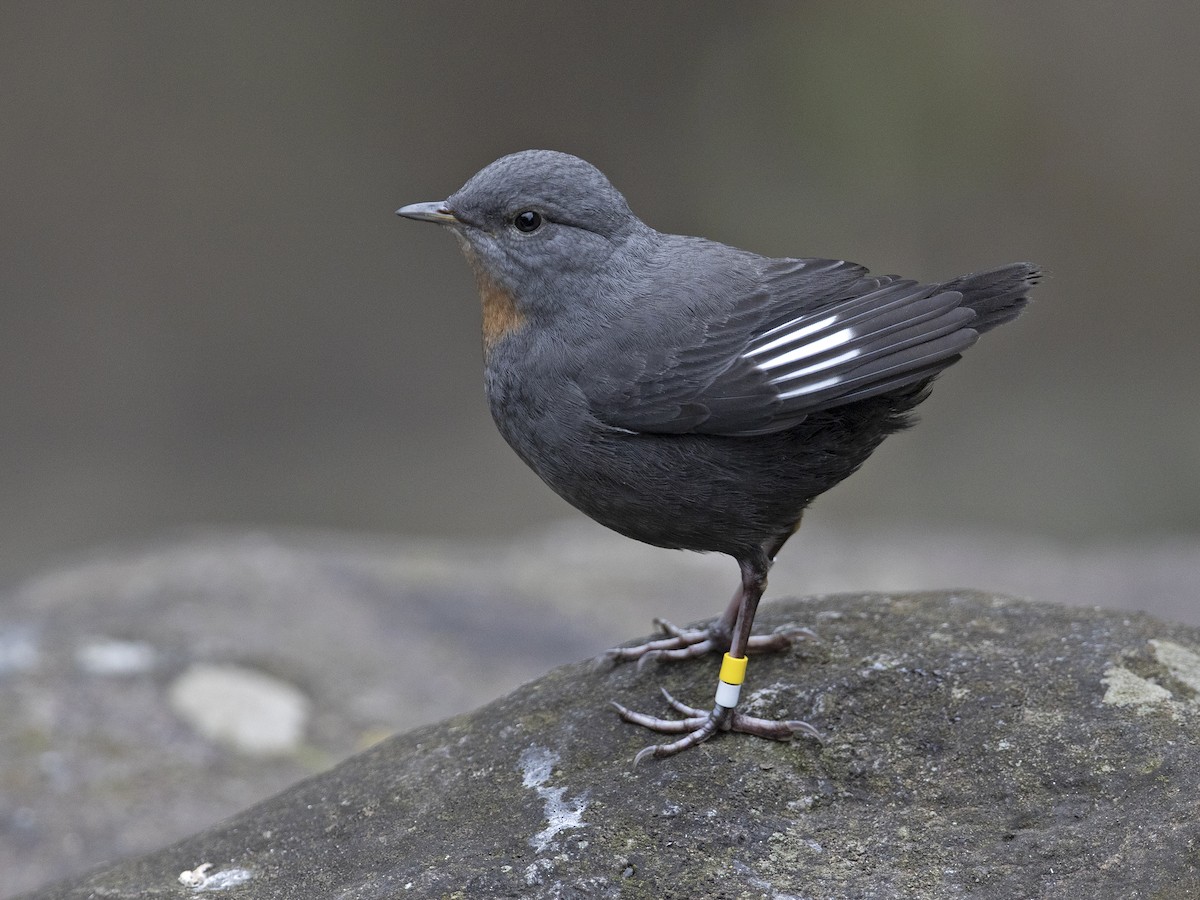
[501, 314]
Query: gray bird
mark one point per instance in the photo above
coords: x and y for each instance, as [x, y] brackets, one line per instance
[689, 394]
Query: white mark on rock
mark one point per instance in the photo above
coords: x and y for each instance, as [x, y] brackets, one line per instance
[1181, 662]
[227, 878]
[1123, 688]
[198, 878]
[537, 764]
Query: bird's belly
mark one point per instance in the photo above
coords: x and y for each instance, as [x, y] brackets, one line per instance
[725, 494]
[681, 491]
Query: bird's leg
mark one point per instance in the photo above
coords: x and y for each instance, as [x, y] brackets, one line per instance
[685, 643]
[697, 726]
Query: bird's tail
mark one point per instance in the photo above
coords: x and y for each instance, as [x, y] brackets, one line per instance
[998, 295]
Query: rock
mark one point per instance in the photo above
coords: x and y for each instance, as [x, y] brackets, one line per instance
[104, 656]
[249, 710]
[380, 635]
[974, 745]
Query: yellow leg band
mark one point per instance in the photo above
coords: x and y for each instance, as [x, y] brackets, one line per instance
[733, 671]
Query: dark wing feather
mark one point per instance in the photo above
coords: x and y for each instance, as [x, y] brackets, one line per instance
[810, 334]
[683, 369]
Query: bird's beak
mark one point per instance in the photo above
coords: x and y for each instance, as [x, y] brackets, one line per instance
[429, 212]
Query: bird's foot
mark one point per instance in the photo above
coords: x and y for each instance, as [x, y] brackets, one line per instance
[685, 643]
[698, 726]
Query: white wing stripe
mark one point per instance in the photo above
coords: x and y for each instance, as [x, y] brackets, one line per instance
[817, 367]
[811, 348]
[810, 388]
[792, 335]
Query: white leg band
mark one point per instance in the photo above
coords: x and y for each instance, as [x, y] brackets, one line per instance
[727, 694]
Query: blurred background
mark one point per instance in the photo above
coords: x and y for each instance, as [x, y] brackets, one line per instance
[210, 315]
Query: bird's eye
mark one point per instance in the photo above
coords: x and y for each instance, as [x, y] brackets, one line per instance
[527, 220]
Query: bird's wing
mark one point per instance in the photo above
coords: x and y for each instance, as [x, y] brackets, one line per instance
[813, 334]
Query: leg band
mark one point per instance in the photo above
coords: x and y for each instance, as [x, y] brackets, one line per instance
[729, 688]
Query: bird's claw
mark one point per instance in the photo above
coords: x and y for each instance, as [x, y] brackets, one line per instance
[697, 726]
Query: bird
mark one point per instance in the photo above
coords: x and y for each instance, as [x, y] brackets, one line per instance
[689, 394]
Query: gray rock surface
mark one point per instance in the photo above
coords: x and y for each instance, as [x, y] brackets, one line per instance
[99, 760]
[975, 745]
[113, 740]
